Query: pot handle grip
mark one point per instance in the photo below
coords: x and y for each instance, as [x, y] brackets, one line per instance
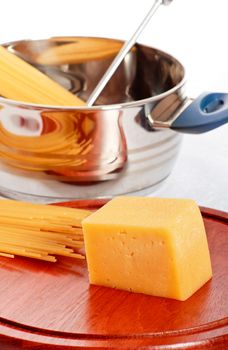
[207, 112]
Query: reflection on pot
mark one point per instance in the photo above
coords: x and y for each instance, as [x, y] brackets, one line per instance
[68, 145]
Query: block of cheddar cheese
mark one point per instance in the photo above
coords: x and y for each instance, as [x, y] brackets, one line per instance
[155, 246]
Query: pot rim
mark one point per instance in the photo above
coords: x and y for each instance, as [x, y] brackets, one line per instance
[116, 106]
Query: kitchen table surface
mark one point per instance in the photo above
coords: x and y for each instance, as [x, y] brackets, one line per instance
[201, 170]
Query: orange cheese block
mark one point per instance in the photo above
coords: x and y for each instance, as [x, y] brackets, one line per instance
[148, 245]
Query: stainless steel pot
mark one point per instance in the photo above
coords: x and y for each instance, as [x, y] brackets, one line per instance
[125, 144]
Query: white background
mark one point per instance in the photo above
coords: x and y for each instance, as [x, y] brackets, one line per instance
[195, 31]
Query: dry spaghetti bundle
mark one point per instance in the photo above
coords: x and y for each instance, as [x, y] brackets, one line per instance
[62, 138]
[78, 50]
[22, 82]
[40, 231]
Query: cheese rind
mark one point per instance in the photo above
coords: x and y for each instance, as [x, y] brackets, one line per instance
[148, 245]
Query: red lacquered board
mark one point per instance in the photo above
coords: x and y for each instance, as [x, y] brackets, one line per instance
[49, 306]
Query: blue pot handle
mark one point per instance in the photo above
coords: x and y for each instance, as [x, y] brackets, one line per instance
[207, 112]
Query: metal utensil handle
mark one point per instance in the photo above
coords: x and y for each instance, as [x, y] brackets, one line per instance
[125, 49]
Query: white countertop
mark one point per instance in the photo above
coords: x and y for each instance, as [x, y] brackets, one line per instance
[201, 171]
[193, 31]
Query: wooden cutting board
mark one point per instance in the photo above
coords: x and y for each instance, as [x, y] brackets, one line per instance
[52, 306]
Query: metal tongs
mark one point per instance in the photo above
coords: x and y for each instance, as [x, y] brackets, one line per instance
[123, 52]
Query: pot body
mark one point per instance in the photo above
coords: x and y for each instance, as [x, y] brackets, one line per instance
[60, 153]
